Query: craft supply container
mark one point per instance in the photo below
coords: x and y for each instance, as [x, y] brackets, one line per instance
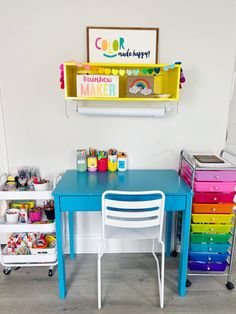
[102, 164]
[81, 162]
[122, 162]
[112, 162]
[92, 163]
[12, 215]
[50, 214]
[35, 216]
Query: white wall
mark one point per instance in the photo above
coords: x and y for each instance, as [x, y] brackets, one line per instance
[36, 36]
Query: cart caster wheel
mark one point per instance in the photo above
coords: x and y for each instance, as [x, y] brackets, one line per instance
[230, 285]
[50, 273]
[174, 254]
[6, 271]
[188, 283]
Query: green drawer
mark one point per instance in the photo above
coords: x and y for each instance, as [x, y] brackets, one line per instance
[211, 228]
[210, 238]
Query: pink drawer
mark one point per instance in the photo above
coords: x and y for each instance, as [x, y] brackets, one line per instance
[214, 186]
[213, 197]
[216, 175]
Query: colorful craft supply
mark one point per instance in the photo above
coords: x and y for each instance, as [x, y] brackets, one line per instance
[62, 84]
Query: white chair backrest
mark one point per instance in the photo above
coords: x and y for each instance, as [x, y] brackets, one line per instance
[124, 209]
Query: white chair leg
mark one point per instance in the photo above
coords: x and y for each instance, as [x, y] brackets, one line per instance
[99, 283]
[99, 279]
[162, 274]
[160, 277]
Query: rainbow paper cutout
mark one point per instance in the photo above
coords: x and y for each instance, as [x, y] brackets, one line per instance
[141, 86]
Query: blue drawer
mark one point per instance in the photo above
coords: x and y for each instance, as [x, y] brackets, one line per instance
[208, 257]
[220, 248]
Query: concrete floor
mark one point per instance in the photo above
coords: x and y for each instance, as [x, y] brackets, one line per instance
[129, 286]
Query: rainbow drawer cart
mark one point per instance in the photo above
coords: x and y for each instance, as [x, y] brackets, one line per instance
[212, 236]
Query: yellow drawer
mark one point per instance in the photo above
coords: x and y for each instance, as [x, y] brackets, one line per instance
[211, 228]
[213, 218]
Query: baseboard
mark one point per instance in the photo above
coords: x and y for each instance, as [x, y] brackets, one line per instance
[89, 244]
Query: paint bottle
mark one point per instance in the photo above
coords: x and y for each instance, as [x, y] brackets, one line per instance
[122, 162]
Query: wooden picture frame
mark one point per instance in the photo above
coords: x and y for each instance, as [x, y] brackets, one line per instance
[132, 45]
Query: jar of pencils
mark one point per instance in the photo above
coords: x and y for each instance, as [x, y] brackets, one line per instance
[112, 160]
[81, 162]
[92, 160]
[102, 161]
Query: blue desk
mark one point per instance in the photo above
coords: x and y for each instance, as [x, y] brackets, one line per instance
[78, 191]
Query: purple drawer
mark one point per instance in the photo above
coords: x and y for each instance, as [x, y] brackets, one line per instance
[201, 266]
[226, 187]
[216, 175]
[213, 197]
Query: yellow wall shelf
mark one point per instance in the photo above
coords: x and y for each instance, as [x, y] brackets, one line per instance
[166, 79]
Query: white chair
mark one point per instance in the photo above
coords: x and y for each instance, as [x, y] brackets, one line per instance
[133, 215]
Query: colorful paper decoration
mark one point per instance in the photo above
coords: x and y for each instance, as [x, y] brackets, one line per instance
[100, 70]
[122, 72]
[62, 83]
[107, 71]
[129, 72]
[115, 71]
[136, 72]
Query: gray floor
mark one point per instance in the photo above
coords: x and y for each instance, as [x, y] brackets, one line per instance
[129, 286]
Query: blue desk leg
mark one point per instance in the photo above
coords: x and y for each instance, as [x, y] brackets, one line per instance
[183, 262]
[71, 234]
[60, 251]
[169, 216]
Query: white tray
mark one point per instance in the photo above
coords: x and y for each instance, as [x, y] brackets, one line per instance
[25, 195]
[49, 227]
[33, 258]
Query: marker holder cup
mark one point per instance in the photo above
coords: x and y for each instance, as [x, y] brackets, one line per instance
[81, 162]
[92, 163]
[102, 164]
[112, 163]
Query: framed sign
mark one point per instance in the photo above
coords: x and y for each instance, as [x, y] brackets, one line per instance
[122, 45]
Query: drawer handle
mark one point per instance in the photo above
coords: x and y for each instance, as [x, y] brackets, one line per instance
[211, 239]
[210, 249]
[215, 187]
[209, 258]
[217, 177]
[215, 198]
[213, 209]
[208, 268]
[212, 229]
[213, 219]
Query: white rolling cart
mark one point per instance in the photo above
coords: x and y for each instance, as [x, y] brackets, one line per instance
[38, 257]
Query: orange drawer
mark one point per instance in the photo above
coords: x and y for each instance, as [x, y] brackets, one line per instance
[213, 208]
